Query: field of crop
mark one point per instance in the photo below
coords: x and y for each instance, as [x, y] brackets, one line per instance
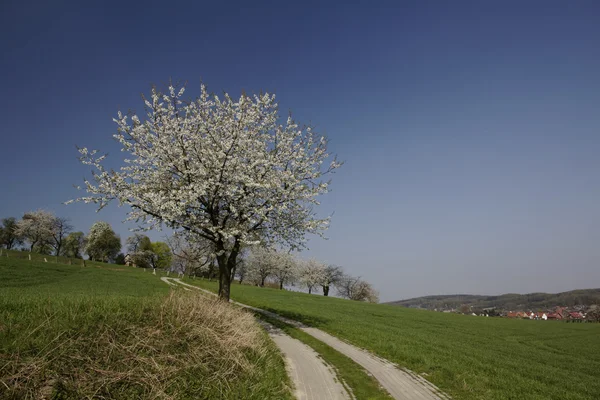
[467, 357]
[109, 331]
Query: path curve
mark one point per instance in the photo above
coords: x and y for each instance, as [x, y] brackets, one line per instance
[313, 379]
[400, 383]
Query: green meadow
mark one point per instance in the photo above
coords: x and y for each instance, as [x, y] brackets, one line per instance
[109, 331]
[467, 357]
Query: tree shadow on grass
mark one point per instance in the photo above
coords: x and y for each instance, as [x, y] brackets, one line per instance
[309, 320]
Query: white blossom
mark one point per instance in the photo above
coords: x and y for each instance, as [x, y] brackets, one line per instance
[37, 227]
[312, 274]
[225, 170]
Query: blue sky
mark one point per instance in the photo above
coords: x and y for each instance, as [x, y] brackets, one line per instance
[470, 130]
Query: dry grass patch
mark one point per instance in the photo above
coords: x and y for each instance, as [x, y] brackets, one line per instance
[181, 346]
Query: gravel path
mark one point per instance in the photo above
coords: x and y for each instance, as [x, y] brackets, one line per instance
[313, 379]
[400, 383]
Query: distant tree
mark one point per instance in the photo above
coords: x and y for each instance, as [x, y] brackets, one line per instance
[242, 270]
[60, 229]
[593, 315]
[44, 248]
[140, 250]
[331, 276]
[226, 170]
[311, 274]
[103, 244]
[192, 255]
[36, 228]
[261, 264]
[138, 242]
[465, 309]
[120, 259]
[357, 289]
[74, 245]
[8, 234]
[285, 268]
[161, 255]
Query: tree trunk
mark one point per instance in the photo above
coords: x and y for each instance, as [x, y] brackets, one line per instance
[309, 289]
[262, 281]
[224, 284]
[326, 290]
[281, 284]
[226, 266]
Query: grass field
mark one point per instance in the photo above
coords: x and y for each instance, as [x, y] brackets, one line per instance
[467, 357]
[108, 331]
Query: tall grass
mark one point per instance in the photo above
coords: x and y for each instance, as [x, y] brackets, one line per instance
[70, 332]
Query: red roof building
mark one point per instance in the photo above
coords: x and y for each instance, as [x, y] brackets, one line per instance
[576, 315]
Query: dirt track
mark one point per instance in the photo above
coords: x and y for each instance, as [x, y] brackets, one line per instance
[313, 379]
[400, 383]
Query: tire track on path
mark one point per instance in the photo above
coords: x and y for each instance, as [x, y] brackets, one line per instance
[400, 383]
[313, 379]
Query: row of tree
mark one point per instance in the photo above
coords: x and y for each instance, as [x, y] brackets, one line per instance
[262, 265]
[42, 232]
[259, 266]
[45, 233]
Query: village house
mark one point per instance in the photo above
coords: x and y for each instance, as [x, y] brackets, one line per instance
[575, 316]
[558, 314]
[540, 315]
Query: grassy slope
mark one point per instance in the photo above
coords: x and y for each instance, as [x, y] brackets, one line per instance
[468, 357]
[50, 311]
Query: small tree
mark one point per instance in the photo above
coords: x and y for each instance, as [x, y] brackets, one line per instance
[224, 170]
[593, 315]
[261, 264]
[285, 269]
[192, 255]
[331, 276]
[140, 250]
[74, 245]
[36, 228]
[120, 259]
[103, 244]
[60, 229]
[311, 274]
[8, 233]
[161, 255]
[242, 269]
[357, 289]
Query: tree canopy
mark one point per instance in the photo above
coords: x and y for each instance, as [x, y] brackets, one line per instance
[103, 244]
[8, 233]
[225, 170]
[74, 244]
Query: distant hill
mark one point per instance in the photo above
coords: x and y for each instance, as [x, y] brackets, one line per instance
[509, 301]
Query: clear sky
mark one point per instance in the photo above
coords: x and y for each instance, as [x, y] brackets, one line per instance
[470, 130]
